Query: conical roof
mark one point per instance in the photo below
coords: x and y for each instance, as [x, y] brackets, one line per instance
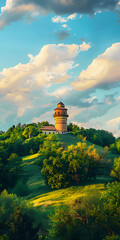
[60, 104]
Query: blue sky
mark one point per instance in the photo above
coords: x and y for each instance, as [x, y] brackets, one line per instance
[62, 50]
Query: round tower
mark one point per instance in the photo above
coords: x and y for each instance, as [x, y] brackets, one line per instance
[60, 117]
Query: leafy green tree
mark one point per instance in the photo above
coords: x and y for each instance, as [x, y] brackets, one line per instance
[14, 169]
[3, 167]
[116, 169]
[67, 167]
[113, 237]
[69, 127]
[76, 221]
[115, 147]
[17, 219]
[30, 131]
[53, 170]
[97, 139]
[108, 212]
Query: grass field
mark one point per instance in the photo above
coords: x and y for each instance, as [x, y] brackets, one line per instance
[43, 197]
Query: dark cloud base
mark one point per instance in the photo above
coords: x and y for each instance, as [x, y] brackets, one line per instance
[62, 35]
[74, 6]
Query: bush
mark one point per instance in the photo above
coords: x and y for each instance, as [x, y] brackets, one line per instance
[20, 189]
[69, 167]
[113, 237]
[116, 169]
[18, 219]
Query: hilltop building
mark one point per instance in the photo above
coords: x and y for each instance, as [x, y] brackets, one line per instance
[60, 117]
[48, 129]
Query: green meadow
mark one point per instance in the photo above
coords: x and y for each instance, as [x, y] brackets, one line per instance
[40, 193]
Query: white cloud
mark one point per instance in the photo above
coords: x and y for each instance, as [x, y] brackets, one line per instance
[118, 99]
[50, 66]
[89, 100]
[74, 111]
[45, 116]
[107, 101]
[61, 92]
[114, 126]
[102, 72]
[84, 124]
[85, 47]
[114, 121]
[12, 13]
[22, 109]
[15, 10]
[72, 16]
[59, 19]
[64, 25]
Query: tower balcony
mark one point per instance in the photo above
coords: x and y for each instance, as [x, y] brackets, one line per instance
[60, 115]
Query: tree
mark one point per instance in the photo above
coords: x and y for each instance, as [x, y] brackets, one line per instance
[113, 237]
[76, 221]
[108, 212]
[17, 219]
[30, 131]
[69, 127]
[116, 169]
[63, 168]
[14, 169]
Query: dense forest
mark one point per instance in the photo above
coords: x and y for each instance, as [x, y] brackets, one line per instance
[81, 160]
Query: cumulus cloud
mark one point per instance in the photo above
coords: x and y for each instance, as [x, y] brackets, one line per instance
[50, 66]
[59, 19]
[118, 99]
[61, 92]
[64, 20]
[62, 35]
[103, 72]
[17, 9]
[74, 111]
[65, 26]
[84, 46]
[11, 13]
[114, 126]
[43, 117]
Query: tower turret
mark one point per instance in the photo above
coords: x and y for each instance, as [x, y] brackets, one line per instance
[60, 117]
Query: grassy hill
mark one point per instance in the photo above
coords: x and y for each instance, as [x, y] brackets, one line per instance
[43, 197]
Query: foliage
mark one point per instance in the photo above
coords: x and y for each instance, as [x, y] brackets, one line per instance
[116, 169]
[113, 237]
[15, 218]
[20, 189]
[18, 219]
[75, 221]
[99, 137]
[89, 218]
[115, 147]
[30, 131]
[108, 214]
[63, 168]
[10, 169]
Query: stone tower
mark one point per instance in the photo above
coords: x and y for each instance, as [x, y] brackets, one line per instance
[60, 117]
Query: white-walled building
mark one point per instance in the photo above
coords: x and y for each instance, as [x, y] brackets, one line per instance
[48, 130]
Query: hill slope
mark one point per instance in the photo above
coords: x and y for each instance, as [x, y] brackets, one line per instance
[42, 196]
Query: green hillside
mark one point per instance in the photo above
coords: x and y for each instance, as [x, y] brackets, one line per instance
[41, 195]
[73, 204]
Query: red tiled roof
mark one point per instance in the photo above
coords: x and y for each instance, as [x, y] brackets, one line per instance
[48, 128]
